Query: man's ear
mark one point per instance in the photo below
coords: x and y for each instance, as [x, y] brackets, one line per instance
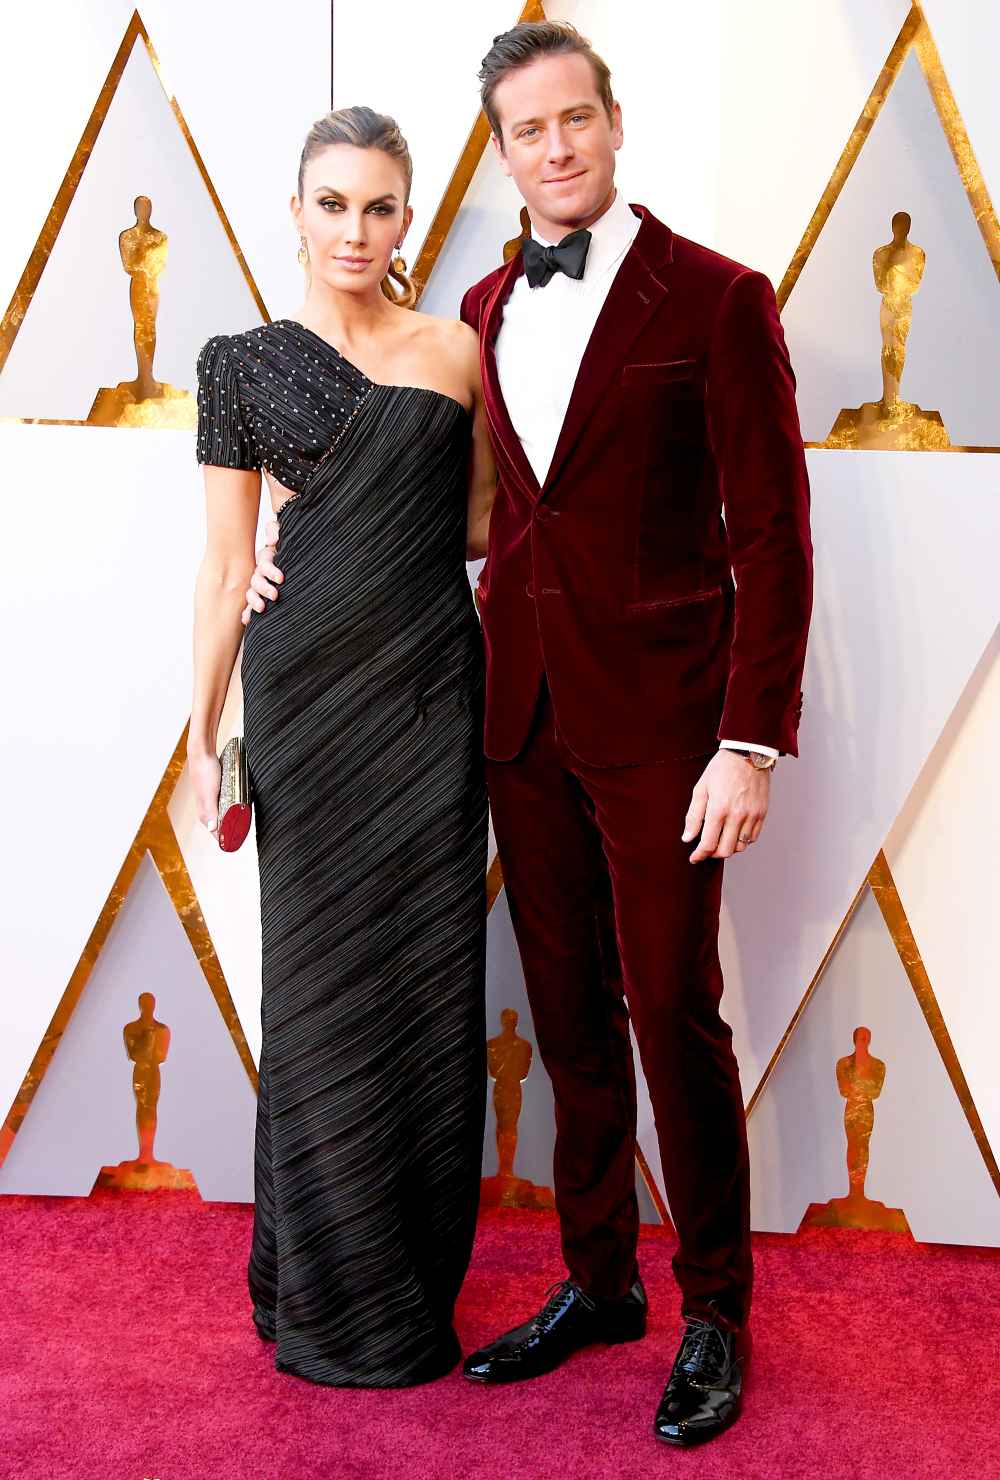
[498, 150]
[617, 131]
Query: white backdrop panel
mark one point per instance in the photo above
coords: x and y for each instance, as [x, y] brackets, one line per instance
[794, 80]
[100, 686]
[734, 117]
[905, 604]
[968, 40]
[943, 855]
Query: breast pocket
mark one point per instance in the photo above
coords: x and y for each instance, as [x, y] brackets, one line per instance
[663, 400]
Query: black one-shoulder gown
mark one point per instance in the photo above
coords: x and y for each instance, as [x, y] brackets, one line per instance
[362, 701]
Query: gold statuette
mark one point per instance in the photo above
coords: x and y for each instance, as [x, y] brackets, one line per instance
[144, 401]
[147, 1043]
[508, 1058]
[860, 1077]
[892, 424]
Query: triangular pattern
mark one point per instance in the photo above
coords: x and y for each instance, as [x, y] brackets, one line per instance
[136, 50]
[155, 837]
[909, 152]
[83, 1116]
[915, 40]
[924, 1156]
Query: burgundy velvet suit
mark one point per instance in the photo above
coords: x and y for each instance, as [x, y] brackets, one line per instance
[619, 651]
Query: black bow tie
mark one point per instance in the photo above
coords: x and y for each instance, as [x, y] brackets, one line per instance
[570, 257]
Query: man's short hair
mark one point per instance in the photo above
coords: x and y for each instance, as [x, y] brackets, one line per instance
[530, 42]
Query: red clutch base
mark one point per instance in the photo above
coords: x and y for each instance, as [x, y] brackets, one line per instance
[234, 826]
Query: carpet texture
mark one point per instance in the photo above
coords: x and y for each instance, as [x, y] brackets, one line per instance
[128, 1352]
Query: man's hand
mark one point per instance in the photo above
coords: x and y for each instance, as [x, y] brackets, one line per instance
[728, 807]
[266, 578]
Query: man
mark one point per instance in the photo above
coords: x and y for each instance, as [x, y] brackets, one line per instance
[636, 698]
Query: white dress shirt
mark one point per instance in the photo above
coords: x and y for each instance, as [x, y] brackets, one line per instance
[545, 332]
[543, 337]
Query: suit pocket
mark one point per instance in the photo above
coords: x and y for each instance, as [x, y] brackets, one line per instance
[661, 372]
[669, 603]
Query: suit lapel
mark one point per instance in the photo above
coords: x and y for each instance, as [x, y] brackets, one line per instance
[635, 296]
[505, 438]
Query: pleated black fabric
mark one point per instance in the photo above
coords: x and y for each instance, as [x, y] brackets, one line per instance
[362, 700]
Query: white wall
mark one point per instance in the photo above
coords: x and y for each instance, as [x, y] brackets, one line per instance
[734, 118]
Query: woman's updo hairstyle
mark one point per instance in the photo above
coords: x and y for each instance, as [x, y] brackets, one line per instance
[365, 129]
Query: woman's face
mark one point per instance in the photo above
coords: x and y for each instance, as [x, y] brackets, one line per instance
[352, 215]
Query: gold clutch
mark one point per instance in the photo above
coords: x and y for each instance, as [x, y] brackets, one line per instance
[234, 796]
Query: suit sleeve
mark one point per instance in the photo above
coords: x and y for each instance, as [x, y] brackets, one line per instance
[754, 429]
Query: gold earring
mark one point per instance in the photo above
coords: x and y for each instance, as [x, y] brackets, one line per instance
[399, 264]
[303, 252]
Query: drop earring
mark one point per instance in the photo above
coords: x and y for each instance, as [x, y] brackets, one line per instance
[303, 252]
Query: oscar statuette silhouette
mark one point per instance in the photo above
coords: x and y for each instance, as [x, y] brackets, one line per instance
[860, 1077]
[147, 1043]
[508, 1058]
[144, 401]
[891, 423]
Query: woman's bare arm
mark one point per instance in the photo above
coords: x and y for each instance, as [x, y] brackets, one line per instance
[482, 468]
[232, 499]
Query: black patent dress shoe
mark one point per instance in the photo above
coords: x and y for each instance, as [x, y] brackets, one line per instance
[567, 1321]
[704, 1393]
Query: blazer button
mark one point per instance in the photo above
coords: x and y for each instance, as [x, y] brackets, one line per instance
[541, 514]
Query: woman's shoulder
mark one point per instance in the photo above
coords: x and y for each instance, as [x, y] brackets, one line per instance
[226, 350]
[449, 336]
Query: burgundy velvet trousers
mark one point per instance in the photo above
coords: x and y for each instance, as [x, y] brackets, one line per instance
[613, 921]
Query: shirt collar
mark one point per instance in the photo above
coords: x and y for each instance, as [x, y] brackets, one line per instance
[611, 236]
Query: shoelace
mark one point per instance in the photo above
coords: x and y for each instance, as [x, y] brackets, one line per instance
[557, 1297]
[704, 1349]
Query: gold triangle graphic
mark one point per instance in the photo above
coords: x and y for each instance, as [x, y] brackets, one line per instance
[12, 320]
[156, 837]
[915, 35]
[883, 887]
[880, 881]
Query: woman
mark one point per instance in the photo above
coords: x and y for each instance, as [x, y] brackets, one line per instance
[362, 697]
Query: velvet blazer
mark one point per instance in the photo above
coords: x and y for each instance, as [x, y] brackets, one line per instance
[661, 576]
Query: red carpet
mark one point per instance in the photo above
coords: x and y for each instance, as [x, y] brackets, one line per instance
[128, 1352]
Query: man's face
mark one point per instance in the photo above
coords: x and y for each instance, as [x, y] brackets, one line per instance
[558, 143]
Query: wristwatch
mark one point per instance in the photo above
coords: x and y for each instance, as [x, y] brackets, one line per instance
[758, 759]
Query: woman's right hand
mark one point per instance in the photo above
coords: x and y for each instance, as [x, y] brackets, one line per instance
[206, 777]
[266, 578]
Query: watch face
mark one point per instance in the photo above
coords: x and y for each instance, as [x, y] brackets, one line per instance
[762, 762]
